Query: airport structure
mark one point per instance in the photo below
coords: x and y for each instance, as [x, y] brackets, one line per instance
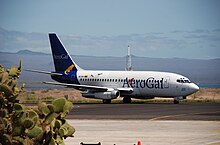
[128, 60]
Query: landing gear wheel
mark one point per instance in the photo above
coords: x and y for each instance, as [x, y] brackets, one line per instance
[127, 100]
[176, 101]
[107, 101]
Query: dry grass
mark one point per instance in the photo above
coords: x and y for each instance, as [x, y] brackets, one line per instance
[204, 94]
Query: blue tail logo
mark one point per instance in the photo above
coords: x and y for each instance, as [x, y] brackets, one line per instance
[62, 60]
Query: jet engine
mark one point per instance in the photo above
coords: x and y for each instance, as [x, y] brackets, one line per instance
[102, 95]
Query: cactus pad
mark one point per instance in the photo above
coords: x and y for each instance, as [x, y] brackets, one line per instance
[22, 125]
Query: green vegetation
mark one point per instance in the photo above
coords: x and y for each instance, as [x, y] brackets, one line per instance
[22, 125]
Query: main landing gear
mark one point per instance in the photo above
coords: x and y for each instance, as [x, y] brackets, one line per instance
[106, 101]
[176, 101]
[127, 100]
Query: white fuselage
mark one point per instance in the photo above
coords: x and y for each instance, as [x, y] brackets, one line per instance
[145, 84]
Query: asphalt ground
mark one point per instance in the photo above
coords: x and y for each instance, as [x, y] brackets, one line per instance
[150, 123]
[198, 111]
[129, 132]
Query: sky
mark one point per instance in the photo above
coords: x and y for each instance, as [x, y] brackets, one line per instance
[190, 28]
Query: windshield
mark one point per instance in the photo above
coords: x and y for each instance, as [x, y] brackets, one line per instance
[183, 80]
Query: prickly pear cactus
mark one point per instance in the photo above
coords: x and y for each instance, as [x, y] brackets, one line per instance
[21, 125]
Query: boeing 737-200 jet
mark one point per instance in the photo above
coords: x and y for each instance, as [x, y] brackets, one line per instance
[108, 85]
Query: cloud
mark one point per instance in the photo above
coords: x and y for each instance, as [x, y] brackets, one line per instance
[190, 44]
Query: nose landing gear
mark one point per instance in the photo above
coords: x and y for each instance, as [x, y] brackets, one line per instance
[177, 99]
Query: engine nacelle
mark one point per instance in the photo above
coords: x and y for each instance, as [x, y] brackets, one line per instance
[102, 95]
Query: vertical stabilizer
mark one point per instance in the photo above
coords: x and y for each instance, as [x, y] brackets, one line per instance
[62, 60]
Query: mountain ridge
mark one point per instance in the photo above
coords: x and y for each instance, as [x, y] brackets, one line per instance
[30, 52]
[199, 71]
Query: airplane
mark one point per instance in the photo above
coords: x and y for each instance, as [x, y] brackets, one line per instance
[108, 85]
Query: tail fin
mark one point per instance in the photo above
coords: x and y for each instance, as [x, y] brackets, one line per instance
[62, 60]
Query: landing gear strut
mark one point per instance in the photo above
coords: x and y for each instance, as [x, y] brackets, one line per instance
[106, 101]
[176, 101]
[127, 100]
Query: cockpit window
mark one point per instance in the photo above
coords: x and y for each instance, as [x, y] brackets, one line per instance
[187, 81]
[182, 80]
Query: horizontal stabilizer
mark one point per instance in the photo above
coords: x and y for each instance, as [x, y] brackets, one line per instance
[44, 72]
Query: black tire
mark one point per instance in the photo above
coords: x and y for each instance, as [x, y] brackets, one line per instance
[127, 100]
[107, 101]
[176, 101]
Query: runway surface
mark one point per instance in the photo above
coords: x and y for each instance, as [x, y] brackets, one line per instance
[129, 132]
[150, 123]
[147, 111]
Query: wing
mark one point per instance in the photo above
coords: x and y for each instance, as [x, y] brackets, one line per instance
[91, 88]
[80, 87]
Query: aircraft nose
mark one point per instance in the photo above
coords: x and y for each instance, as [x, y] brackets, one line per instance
[194, 87]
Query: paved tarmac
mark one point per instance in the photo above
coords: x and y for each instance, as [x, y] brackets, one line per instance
[147, 111]
[151, 123]
[129, 132]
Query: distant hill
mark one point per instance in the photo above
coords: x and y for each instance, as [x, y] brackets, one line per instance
[199, 71]
[25, 52]
[29, 52]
